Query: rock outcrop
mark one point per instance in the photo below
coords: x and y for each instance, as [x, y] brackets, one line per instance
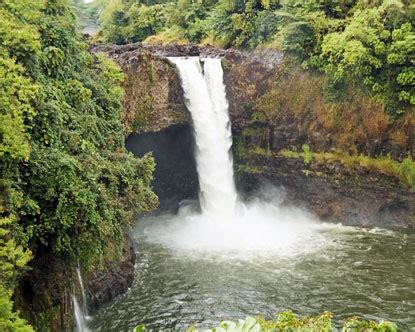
[44, 294]
[333, 192]
[175, 176]
[155, 114]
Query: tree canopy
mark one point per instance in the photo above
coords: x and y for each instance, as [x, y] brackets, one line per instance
[371, 44]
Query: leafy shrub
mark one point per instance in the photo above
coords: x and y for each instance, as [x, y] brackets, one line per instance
[297, 38]
[288, 321]
[174, 35]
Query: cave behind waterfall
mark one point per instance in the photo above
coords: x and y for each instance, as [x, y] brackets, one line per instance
[175, 177]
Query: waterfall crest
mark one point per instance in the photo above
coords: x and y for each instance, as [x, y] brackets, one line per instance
[206, 100]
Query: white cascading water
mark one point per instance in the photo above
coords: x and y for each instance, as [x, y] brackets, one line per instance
[80, 313]
[79, 316]
[81, 284]
[206, 100]
[227, 227]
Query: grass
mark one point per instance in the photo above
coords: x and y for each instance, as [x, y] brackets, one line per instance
[174, 35]
[249, 169]
[403, 170]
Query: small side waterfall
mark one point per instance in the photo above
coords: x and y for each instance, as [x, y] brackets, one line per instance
[206, 99]
[81, 313]
[79, 316]
[81, 284]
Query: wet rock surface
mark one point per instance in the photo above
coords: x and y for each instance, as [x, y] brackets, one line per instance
[103, 285]
[44, 294]
[175, 176]
[334, 193]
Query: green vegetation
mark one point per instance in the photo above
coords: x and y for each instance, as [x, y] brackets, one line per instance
[348, 73]
[404, 171]
[307, 154]
[67, 184]
[85, 13]
[288, 321]
[368, 45]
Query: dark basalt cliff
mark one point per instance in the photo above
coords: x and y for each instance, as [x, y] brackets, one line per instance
[335, 193]
[102, 285]
[155, 114]
[157, 121]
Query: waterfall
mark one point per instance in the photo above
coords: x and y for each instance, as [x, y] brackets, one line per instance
[261, 225]
[79, 316]
[206, 100]
[81, 284]
[81, 313]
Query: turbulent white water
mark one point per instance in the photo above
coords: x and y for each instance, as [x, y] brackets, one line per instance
[226, 226]
[206, 100]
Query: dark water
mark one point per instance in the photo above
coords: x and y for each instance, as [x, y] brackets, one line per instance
[354, 272]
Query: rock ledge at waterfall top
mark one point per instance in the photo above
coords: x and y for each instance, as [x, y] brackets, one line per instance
[153, 94]
[266, 57]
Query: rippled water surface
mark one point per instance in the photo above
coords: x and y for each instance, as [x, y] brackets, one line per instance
[349, 272]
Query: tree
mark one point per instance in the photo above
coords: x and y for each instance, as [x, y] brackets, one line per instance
[68, 187]
[368, 51]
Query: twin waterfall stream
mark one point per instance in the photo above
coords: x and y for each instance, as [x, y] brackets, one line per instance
[206, 100]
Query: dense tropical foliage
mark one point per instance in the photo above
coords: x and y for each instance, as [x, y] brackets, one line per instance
[366, 43]
[348, 74]
[67, 185]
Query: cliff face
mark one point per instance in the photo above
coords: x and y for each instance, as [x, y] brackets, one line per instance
[357, 197]
[44, 295]
[154, 102]
[103, 285]
[153, 95]
[175, 174]
[157, 119]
